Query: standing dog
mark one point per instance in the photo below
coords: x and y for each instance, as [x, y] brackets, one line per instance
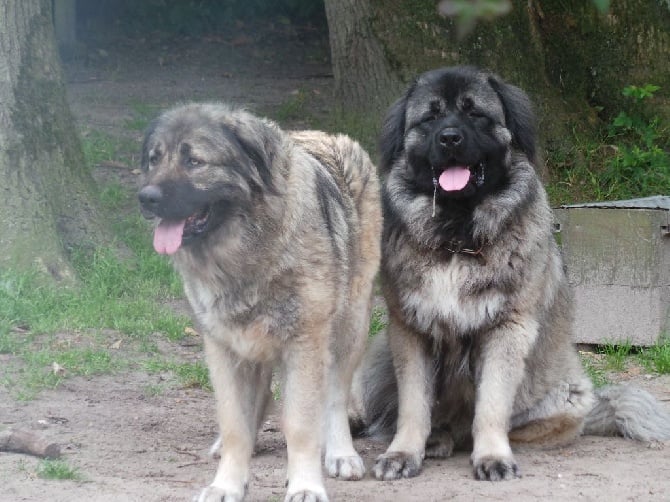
[276, 237]
[479, 339]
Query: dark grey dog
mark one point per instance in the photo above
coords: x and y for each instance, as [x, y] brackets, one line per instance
[478, 350]
[276, 237]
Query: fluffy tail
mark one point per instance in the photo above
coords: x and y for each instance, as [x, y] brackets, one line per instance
[629, 412]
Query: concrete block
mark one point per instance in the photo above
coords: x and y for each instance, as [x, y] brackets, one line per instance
[617, 256]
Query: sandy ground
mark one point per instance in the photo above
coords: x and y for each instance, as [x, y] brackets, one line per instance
[133, 445]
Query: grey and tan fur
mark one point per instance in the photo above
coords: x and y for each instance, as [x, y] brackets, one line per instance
[277, 241]
[478, 351]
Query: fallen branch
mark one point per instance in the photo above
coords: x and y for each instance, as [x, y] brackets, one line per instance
[31, 443]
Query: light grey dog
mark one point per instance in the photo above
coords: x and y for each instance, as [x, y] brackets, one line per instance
[478, 350]
[277, 239]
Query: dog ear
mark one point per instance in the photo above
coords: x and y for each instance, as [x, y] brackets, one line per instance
[149, 131]
[392, 139]
[254, 139]
[519, 116]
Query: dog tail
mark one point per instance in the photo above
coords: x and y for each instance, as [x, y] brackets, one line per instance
[374, 396]
[630, 412]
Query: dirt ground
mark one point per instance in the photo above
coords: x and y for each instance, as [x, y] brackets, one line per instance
[132, 445]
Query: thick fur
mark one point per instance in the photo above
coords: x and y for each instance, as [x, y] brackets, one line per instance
[478, 350]
[279, 251]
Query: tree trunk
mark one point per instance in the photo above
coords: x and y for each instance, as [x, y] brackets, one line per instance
[364, 80]
[46, 206]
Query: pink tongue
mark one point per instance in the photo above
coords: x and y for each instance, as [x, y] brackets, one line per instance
[167, 236]
[454, 178]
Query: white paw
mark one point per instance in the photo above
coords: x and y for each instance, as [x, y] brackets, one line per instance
[349, 468]
[309, 492]
[216, 494]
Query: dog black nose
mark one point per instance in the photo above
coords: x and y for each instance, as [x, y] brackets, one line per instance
[150, 195]
[450, 137]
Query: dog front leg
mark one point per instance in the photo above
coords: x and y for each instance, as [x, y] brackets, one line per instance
[412, 363]
[241, 389]
[305, 361]
[499, 376]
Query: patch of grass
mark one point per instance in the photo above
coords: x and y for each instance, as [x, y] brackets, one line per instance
[594, 371]
[113, 196]
[377, 322]
[275, 388]
[48, 367]
[99, 147]
[153, 390]
[57, 469]
[125, 295]
[143, 114]
[125, 291]
[10, 342]
[193, 375]
[657, 357]
[616, 354]
[293, 108]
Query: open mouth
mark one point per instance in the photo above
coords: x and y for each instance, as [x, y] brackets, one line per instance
[456, 178]
[169, 235]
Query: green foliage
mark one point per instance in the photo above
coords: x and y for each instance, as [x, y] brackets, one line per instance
[57, 469]
[641, 160]
[631, 160]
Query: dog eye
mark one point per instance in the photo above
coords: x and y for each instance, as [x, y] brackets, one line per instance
[193, 162]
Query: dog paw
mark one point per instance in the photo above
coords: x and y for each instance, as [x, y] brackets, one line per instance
[306, 496]
[491, 468]
[216, 494]
[396, 465]
[349, 468]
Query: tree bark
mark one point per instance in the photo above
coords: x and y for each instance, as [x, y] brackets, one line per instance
[364, 80]
[46, 207]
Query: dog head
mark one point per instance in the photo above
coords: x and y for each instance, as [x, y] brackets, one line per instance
[457, 127]
[203, 165]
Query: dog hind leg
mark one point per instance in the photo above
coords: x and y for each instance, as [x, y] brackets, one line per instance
[341, 460]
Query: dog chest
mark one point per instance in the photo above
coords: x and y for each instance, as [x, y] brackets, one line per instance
[440, 295]
[251, 333]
